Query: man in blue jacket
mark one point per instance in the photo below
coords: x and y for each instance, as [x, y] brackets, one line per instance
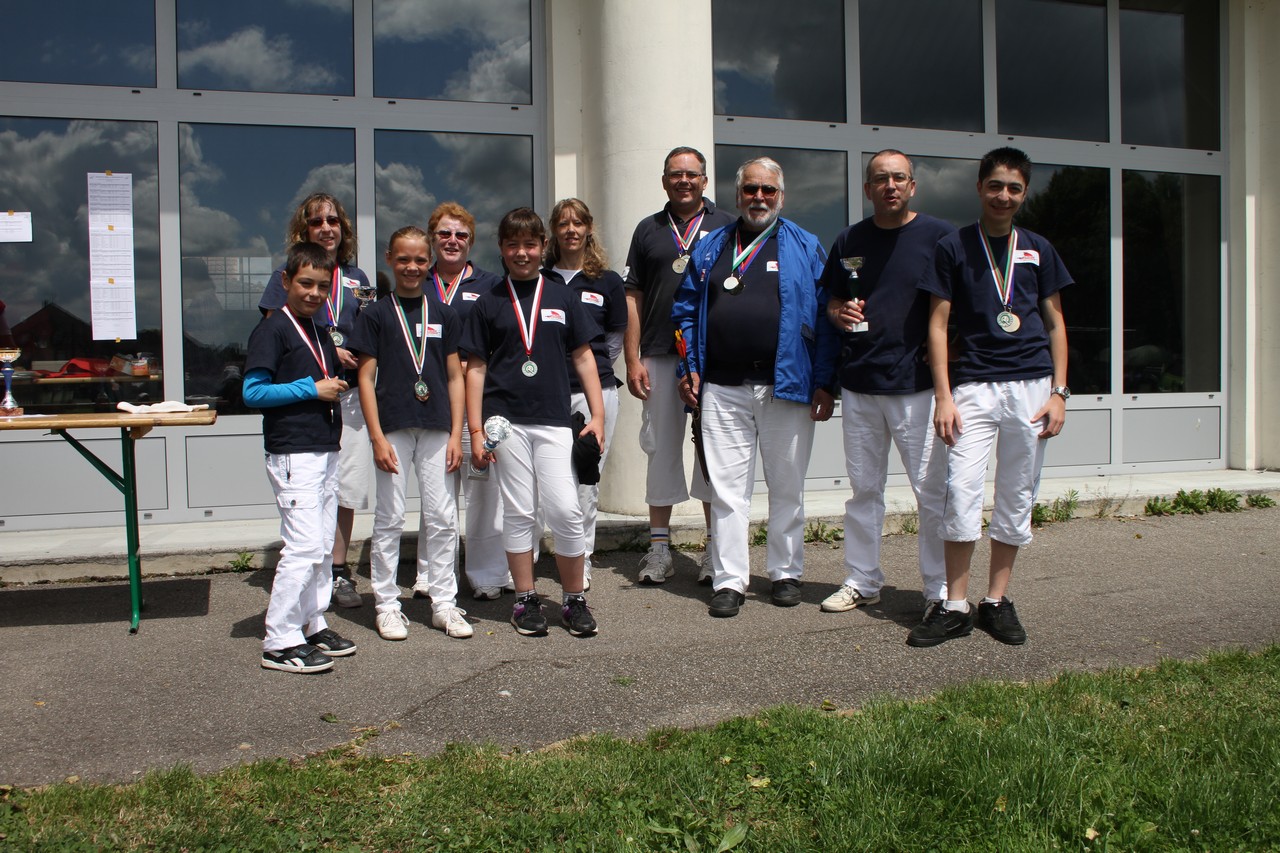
[761, 369]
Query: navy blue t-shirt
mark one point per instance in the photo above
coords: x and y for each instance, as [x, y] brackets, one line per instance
[310, 426]
[742, 327]
[605, 301]
[890, 357]
[273, 299]
[492, 333]
[983, 352]
[379, 334]
[477, 281]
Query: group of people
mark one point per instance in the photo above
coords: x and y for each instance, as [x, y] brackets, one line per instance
[936, 340]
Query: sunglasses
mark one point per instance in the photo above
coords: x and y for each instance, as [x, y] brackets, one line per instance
[769, 190]
[317, 221]
[444, 234]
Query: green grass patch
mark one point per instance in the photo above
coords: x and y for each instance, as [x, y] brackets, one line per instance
[1061, 509]
[1259, 501]
[1181, 756]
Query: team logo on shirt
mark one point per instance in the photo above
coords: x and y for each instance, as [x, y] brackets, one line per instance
[552, 315]
[771, 266]
[592, 298]
[350, 282]
[434, 330]
[470, 297]
[1027, 256]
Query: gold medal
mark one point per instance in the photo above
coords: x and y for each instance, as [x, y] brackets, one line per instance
[1008, 321]
[679, 264]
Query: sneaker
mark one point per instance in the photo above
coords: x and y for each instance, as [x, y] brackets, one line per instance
[940, 625]
[527, 616]
[421, 589]
[344, 592]
[655, 566]
[706, 572]
[486, 593]
[577, 617]
[846, 598]
[302, 658]
[786, 592]
[453, 621]
[726, 602]
[1001, 621]
[331, 644]
[392, 625]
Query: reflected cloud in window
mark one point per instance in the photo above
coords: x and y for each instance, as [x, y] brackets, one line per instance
[102, 44]
[816, 185]
[1169, 78]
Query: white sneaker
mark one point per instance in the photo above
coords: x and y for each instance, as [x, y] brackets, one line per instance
[706, 572]
[486, 593]
[453, 622]
[847, 598]
[392, 625]
[422, 589]
[655, 566]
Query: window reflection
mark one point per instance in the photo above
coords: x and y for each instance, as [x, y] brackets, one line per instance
[921, 63]
[817, 197]
[1172, 282]
[779, 65]
[945, 188]
[474, 51]
[45, 283]
[251, 46]
[1169, 73]
[1051, 67]
[104, 44]
[235, 211]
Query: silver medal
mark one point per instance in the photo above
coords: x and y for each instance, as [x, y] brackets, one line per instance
[337, 337]
[529, 368]
[679, 264]
[1008, 321]
[731, 283]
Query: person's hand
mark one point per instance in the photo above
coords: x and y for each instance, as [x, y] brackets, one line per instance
[638, 380]
[453, 455]
[823, 406]
[595, 427]
[946, 420]
[330, 389]
[480, 458]
[347, 358]
[689, 387]
[1054, 414]
[384, 456]
[845, 315]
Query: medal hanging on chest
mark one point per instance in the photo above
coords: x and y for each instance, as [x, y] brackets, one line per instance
[417, 350]
[334, 306]
[1005, 319]
[317, 351]
[684, 241]
[527, 330]
[742, 258]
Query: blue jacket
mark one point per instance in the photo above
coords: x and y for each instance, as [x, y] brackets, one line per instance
[807, 342]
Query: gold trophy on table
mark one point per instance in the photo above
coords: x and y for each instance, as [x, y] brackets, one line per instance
[8, 406]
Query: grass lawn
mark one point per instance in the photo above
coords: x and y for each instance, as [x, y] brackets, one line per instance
[1183, 756]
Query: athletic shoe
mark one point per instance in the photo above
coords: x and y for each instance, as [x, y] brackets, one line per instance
[706, 572]
[527, 616]
[331, 644]
[846, 598]
[940, 625]
[344, 592]
[726, 602]
[486, 593]
[302, 658]
[786, 592]
[421, 589]
[393, 625]
[577, 617]
[1001, 621]
[655, 566]
[453, 622]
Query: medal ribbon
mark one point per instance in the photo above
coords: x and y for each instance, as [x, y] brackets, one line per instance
[336, 296]
[317, 352]
[685, 240]
[447, 292]
[416, 352]
[526, 331]
[1004, 281]
[742, 258]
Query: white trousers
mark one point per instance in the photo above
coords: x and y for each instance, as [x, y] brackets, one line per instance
[355, 458]
[484, 558]
[589, 496]
[420, 452]
[996, 413]
[535, 468]
[735, 420]
[306, 490]
[870, 423]
[664, 434]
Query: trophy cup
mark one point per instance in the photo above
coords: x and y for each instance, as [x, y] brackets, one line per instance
[496, 430]
[853, 265]
[8, 406]
[366, 293]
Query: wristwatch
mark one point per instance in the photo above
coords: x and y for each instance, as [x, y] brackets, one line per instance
[1062, 391]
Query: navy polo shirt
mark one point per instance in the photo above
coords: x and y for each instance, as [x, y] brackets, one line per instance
[309, 426]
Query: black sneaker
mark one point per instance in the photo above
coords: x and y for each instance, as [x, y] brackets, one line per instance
[1001, 621]
[577, 617]
[331, 644]
[527, 616]
[726, 602]
[302, 658]
[940, 625]
[786, 592]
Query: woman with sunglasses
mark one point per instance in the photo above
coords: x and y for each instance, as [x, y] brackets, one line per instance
[321, 219]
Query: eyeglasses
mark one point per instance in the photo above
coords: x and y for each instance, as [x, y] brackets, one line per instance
[686, 176]
[882, 179]
[317, 221]
[445, 234]
[769, 190]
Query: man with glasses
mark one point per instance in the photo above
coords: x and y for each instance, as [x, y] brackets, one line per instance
[659, 254]
[887, 390]
[761, 364]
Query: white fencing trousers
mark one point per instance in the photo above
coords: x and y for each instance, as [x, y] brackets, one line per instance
[535, 468]
[589, 496]
[355, 459]
[664, 434]
[735, 419]
[306, 489]
[484, 558]
[995, 413]
[419, 452]
[870, 423]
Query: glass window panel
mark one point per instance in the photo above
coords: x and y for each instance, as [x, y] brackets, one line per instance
[474, 51]
[1169, 73]
[1172, 282]
[934, 48]
[486, 174]
[235, 211]
[816, 195]
[45, 283]
[105, 44]
[946, 187]
[1051, 66]
[251, 46]
[779, 65]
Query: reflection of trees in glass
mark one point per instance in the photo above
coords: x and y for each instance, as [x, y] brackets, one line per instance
[1073, 213]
